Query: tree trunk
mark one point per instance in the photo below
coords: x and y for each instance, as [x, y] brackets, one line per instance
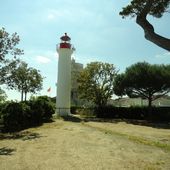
[149, 102]
[25, 96]
[22, 95]
[150, 107]
[150, 33]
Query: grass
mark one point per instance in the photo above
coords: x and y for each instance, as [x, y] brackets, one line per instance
[76, 144]
[132, 138]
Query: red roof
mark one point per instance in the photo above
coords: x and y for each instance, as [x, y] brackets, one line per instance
[65, 37]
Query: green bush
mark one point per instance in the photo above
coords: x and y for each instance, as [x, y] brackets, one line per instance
[36, 113]
[139, 113]
[2, 106]
[15, 116]
[41, 109]
[83, 111]
[74, 109]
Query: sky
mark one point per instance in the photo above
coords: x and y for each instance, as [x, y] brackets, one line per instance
[96, 29]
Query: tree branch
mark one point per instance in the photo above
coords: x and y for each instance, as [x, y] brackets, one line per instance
[150, 34]
[161, 95]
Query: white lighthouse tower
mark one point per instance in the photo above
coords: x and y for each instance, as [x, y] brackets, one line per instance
[65, 50]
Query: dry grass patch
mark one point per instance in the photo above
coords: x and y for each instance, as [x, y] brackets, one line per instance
[77, 145]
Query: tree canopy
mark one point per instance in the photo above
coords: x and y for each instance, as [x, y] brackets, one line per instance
[22, 78]
[8, 44]
[144, 80]
[141, 9]
[8, 47]
[96, 82]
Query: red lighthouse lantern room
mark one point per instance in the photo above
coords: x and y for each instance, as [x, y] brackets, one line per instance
[65, 41]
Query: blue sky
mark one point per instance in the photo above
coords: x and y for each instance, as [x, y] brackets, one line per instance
[95, 27]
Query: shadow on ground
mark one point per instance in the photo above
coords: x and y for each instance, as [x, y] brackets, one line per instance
[72, 118]
[154, 124]
[20, 135]
[6, 151]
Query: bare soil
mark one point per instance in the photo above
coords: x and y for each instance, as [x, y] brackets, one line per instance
[91, 145]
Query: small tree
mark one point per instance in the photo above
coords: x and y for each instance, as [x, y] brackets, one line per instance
[144, 80]
[140, 10]
[96, 82]
[24, 79]
[8, 47]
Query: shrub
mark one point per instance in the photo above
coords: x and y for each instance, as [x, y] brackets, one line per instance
[41, 109]
[2, 106]
[140, 113]
[83, 111]
[73, 109]
[15, 116]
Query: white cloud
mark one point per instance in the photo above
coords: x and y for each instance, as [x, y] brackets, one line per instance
[58, 14]
[70, 14]
[51, 16]
[42, 59]
[40, 55]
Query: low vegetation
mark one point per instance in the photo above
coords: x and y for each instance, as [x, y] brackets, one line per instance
[133, 138]
[159, 114]
[20, 115]
[83, 144]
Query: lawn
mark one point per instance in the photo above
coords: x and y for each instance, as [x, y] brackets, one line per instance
[87, 145]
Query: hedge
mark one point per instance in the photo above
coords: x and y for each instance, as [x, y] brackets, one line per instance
[138, 113]
[20, 115]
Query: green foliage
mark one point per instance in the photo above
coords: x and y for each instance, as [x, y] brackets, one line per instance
[134, 113]
[155, 8]
[17, 116]
[83, 111]
[42, 108]
[15, 73]
[158, 114]
[3, 96]
[6, 69]
[22, 78]
[8, 47]
[118, 85]
[73, 109]
[140, 10]
[2, 106]
[8, 44]
[144, 80]
[95, 83]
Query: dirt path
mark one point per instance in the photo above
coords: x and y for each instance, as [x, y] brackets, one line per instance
[64, 145]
